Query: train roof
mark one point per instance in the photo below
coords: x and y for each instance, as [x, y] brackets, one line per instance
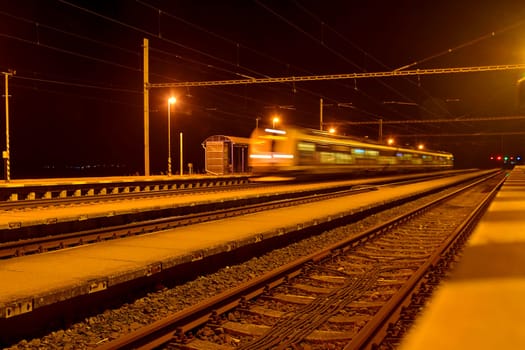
[362, 141]
[365, 141]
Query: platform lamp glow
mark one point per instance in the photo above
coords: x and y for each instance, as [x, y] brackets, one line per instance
[274, 121]
[172, 100]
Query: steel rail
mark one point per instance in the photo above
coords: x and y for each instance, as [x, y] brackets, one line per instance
[376, 329]
[178, 324]
[60, 241]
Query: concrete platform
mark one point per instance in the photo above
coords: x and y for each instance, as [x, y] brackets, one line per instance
[12, 219]
[483, 305]
[30, 282]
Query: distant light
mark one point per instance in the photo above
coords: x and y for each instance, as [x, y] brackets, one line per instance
[275, 131]
[420, 146]
[491, 157]
[498, 157]
[331, 130]
[172, 100]
[390, 141]
[518, 158]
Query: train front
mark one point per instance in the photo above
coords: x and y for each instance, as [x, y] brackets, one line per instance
[271, 154]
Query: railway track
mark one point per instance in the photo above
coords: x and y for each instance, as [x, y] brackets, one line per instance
[198, 214]
[19, 241]
[349, 295]
[130, 193]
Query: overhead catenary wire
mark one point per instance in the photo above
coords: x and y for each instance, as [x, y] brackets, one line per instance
[394, 73]
[331, 50]
[238, 46]
[38, 42]
[158, 37]
[463, 45]
[170, 41]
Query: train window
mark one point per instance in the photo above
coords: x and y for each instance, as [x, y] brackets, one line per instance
[340, 148]
[327, 157]
[343, 158]
[322, 148]
[404, 155]
[306, 146]
[371, 153]
[358, 151]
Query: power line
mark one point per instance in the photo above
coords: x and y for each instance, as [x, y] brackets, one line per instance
[333, 51]
[145, 32]
[50, 47]
[74, 35]
[128, 26]
[463, 45]
[232, 42]
[78, 85]
[227, 40]
[502, 133]
[425, 121]
[81, 96]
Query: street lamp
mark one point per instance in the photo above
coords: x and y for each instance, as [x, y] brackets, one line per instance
[275, 120]
[171, 100]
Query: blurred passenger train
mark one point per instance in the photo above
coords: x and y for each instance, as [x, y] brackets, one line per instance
[295, 152]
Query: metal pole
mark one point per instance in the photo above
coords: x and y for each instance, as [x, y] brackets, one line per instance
[321, 115]
[181, 169]
[6, 154]
[169, 138]
[242, 159]
[146, 108]
[380, 130]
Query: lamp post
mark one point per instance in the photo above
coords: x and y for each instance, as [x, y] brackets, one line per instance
[171, 100]
[6, 154]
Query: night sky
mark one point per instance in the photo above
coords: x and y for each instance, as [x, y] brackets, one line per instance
[76, 99]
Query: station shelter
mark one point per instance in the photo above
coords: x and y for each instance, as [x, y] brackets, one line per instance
[226, 154]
